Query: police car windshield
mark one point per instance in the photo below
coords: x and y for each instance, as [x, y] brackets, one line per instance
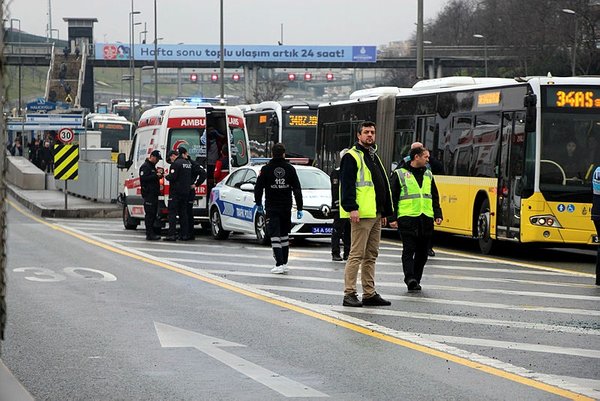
[313, 179]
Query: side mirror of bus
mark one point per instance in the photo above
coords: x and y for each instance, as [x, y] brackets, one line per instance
[530, 101]
[122, 162]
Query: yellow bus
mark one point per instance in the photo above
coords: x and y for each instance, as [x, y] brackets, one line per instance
[517, 154]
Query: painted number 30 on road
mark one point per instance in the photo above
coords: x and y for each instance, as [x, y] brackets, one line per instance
[66, 135]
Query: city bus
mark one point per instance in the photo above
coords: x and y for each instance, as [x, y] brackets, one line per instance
[517, 154]
[113, 128]
[293, 123]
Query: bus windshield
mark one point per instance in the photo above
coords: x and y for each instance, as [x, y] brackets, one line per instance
[112, 133]
[569, 155]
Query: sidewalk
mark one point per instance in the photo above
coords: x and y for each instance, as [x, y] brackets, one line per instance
[51, 203]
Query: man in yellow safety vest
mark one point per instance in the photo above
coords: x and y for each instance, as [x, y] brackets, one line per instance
[417, 206]
[365, 199]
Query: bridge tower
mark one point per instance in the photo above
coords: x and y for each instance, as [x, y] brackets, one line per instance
[81, 36]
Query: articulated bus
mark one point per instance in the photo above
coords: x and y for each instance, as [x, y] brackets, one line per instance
[291, 122]
[517, 154]
[113, 128]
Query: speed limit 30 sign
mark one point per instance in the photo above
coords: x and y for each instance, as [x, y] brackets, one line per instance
[66, 135]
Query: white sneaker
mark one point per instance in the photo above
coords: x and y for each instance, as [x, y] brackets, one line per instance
[278, 270]
[286, 269]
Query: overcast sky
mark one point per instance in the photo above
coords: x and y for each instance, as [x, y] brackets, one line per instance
[253, 22]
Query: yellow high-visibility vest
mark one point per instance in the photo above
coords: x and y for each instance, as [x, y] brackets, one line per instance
[414, 200]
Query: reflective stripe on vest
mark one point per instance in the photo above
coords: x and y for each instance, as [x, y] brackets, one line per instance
[414, 200]
[365, 190]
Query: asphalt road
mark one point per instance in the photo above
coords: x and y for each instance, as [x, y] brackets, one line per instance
[98, 313]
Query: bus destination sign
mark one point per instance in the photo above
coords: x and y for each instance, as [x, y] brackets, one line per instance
[575, 98]
[300, 120]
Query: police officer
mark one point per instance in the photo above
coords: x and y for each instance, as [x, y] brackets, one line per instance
[197, 178]
[366, 200]
[150, 182]
[596, 215]
[278, 179]
[180, 181]
[417, 206]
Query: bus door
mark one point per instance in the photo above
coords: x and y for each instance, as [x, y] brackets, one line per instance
[510, 174]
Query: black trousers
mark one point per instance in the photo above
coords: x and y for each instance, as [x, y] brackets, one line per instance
[190, 214]
[150, 211]
[341, 231]
[279, 224]
[416, 240]
[178, 207]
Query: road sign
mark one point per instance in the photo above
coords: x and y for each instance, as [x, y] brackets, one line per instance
[66, 162]
[66, 135]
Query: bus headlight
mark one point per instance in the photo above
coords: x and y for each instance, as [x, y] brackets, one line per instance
[545, 221]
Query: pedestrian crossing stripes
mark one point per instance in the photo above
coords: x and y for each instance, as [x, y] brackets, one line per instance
[66, 162]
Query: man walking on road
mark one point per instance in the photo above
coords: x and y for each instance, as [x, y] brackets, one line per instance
[278, 179]
[150, 184]
[366, 199]
[417, 205]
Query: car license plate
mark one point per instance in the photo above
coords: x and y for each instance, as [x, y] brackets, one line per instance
[322, 230]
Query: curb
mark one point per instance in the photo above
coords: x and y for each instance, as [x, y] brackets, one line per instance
[100, 212]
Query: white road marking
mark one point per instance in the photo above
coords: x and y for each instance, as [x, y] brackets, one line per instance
[175, 337]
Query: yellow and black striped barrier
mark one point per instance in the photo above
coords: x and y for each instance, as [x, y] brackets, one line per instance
[66, 162]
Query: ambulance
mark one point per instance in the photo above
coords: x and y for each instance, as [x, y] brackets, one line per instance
[167, 128]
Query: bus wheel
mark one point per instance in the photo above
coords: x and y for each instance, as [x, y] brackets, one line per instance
[260, 229]
[215, 225]
[129, 222]
[483, 228]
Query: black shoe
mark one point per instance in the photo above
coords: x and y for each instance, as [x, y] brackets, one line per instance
[170, 238]
[413, 285]
[375, 300]
[186, 238]
[153, 237]
[336, 258]
[352, 300]
[345, 257]
[430, 252]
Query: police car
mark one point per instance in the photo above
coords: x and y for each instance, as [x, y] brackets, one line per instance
[232, 208]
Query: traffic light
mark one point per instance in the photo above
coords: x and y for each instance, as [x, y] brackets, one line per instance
[329, 76]
[291, 77]
[235, 77]
[214, 77]
[193, 77]
[307, 76]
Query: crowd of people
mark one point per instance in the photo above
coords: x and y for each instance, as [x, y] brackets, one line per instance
[40, 151]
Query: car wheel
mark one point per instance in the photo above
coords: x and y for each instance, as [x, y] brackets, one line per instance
[260, 229]
[215, 225]
[129, 222]
[483, 228]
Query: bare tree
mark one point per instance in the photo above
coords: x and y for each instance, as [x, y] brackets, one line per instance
[269, 89]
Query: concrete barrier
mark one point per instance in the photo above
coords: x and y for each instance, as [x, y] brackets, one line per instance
[24, 174]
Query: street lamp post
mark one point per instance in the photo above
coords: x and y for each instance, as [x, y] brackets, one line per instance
[20, 59]
[574, 49]
[155, 57]
[222, 60]
[132, 62]
[420, 59]
[485, 52]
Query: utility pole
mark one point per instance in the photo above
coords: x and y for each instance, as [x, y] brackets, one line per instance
[420, 61]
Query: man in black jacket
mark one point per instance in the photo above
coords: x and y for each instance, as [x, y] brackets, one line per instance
[197, 178]
[180, 182]
[150, 182]
[278, 179]
[341, 226]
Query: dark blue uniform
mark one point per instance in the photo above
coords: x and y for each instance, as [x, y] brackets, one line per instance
[180, 181]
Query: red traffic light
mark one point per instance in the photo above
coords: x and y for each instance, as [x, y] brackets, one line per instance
[214, 77]
[329, 76]
[235, 77]
[307, 76]
[193, 77]
[291, 76]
